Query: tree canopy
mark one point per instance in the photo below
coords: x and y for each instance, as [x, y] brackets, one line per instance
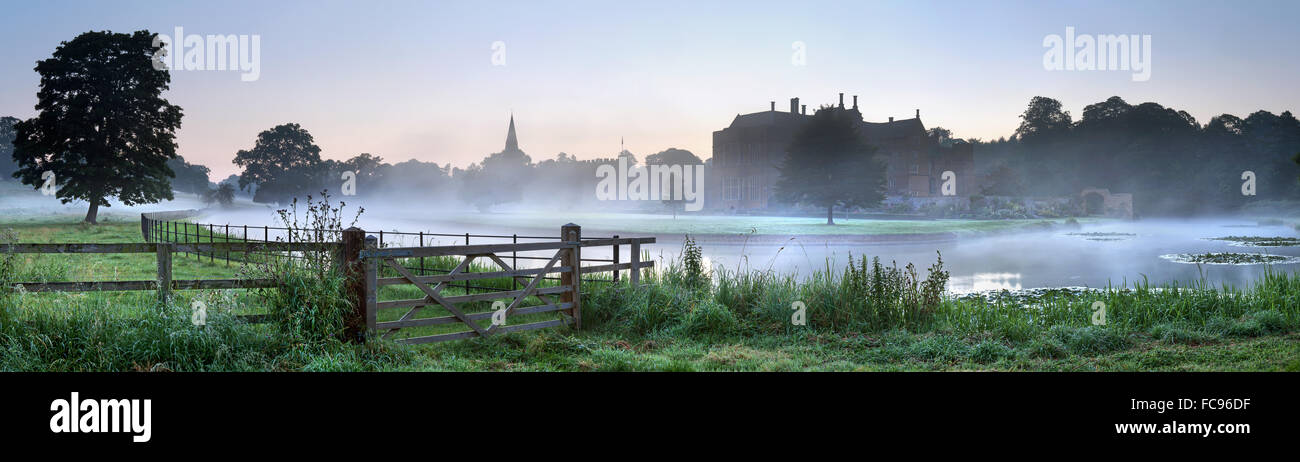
[189, 178]
[7, 134]
[284, 163]
[828, 164]
[103, 128]
[1173, 164]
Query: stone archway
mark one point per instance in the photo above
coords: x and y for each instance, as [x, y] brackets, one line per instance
[1100, 201]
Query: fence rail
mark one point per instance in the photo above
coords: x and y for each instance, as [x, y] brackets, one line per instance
[360, 257]
[163, 251]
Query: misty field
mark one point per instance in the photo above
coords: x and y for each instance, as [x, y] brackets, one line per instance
[863, 319]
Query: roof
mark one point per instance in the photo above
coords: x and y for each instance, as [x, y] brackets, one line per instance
[872, 130]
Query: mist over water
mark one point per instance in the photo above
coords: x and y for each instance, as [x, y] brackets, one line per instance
[1037, 259]
[1014, 260]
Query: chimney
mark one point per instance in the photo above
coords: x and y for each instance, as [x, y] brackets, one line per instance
[803, 109]
[918, 113]
[841, 100]
[855, 101]
[773, 105]
[891, 119]
[794, 105]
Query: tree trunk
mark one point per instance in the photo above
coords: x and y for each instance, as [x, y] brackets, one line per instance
[830, 217]
[93, 213]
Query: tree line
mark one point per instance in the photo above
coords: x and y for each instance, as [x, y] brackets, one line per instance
[1173, 164]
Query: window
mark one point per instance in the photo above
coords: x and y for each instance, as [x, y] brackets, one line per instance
[731, 188]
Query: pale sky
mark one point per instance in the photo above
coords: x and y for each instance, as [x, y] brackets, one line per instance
[416, 79]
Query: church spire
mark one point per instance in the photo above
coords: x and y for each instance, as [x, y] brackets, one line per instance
[512, 144]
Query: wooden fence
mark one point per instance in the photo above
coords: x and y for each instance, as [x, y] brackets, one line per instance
[361, 257]
[164, 283]
[563, 258]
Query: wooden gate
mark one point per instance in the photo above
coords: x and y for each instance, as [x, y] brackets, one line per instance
[563, 298]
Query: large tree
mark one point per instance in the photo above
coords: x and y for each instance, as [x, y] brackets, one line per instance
[284, 163]
[7, 165]
[103, 128]
[828, 164]
[1043, 117]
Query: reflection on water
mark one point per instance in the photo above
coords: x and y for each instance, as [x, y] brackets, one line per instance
[1030, 260]
[981, 282]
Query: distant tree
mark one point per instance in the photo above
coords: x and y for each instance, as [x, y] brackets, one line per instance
[7, 134]
[103, 129]
[1296, 159]
[828, 164]
[368, 169]
[496, 180]
[1002, 181]
[233, 180]
[940, 136]
[223, 194]
[1044, 116]
[413, 175]
[669, 157]
[284, 163]
[190, 178]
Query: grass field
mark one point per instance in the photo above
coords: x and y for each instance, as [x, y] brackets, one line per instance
[740, 323]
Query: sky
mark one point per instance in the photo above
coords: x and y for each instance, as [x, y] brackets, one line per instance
[425, 80]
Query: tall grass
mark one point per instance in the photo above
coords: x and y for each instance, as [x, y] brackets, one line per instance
[876, 299]
[308, 302]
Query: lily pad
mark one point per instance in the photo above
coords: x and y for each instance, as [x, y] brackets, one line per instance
[1259, 241]
[1229, 258]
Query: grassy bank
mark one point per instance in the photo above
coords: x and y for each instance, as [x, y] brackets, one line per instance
[866, 318]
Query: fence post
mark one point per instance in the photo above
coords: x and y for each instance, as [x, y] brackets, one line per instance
[636, 263]
[616, 246]
[353, 242]
[372, 284]
[572, 234]
[164, 252]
